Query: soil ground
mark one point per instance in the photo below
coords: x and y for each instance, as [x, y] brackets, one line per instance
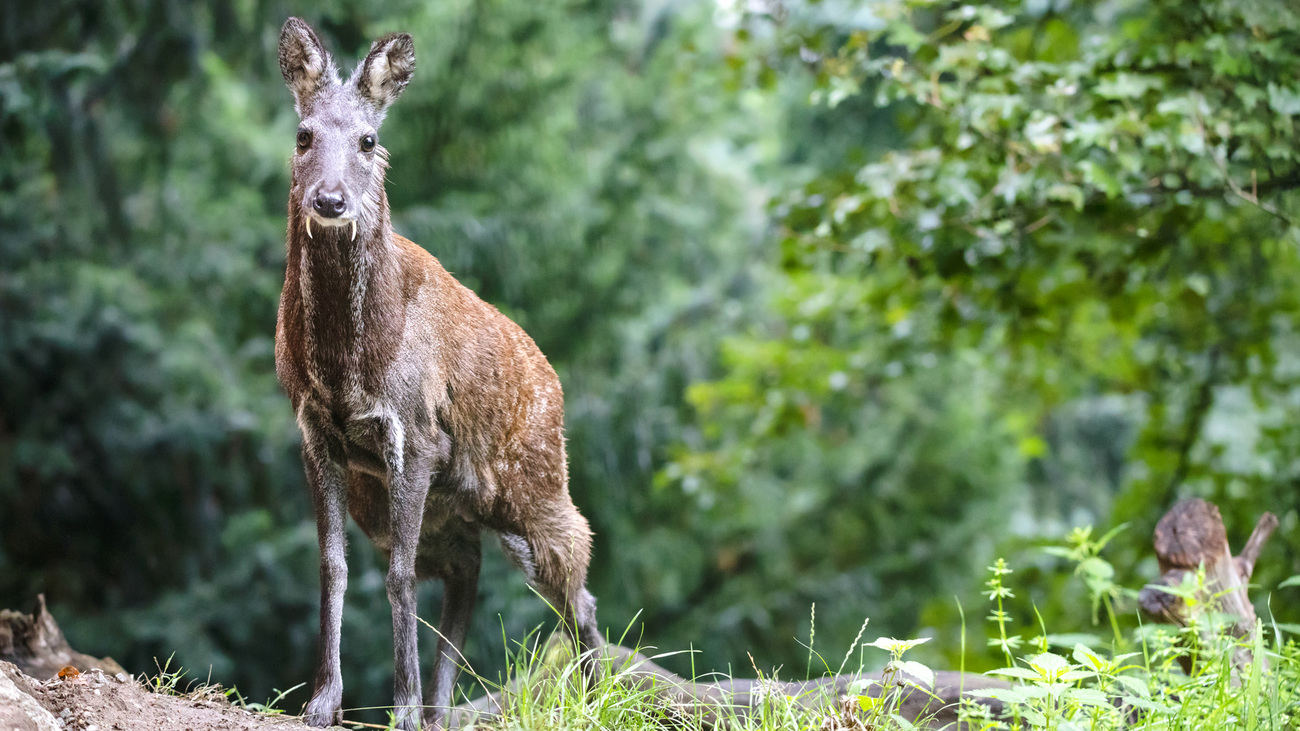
[93, 701]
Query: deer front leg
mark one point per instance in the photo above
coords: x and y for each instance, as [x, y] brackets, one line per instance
[408, 485]
[322, 455]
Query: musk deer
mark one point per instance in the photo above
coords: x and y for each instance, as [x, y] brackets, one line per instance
[425, 412]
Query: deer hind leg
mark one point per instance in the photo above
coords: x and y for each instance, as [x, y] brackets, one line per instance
[460, 591]
[554, 558]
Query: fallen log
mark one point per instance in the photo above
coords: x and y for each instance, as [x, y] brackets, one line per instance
[717, 705]
[1189, 537]
[37, 646]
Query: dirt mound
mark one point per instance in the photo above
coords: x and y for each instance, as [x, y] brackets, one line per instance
[94, 701]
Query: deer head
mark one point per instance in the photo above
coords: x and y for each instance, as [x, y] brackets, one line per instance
[338, 166]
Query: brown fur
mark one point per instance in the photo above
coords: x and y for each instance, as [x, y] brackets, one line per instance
[425, 411]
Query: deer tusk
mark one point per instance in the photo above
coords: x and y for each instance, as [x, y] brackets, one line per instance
[308, 226]
[354, 230]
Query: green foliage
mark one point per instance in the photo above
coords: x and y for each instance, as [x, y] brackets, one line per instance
[138, 286]
[999, 593]
[1087, 224]
[1076, 688]
[1023, 266]
[562, 159]
[1097, 573]
[1149, 688]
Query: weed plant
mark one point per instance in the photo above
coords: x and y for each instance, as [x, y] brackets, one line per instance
[1156, 677]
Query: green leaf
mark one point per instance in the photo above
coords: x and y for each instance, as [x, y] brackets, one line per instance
[1125, 85]
[1110, 535]
[869, 703]
[901, 722]
[1049, 665]
[1022, 673]
[1006, 695]
[1086, 657]
[1068, 193]
[896, 647]
[1284, 100]
[1101, 178]
[1148, 705]
[1032, 446]
[1088, 696]
[1096, 569]
[1198, 283]
[918, 671]
[1133, 686]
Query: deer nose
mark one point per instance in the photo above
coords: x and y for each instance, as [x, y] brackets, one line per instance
[330, 203]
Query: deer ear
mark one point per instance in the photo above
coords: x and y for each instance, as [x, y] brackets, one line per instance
[305, 63]
[387, 70]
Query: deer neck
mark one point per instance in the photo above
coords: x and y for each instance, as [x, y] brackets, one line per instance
[351, 302]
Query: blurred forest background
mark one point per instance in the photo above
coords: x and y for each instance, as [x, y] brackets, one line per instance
[848, 299]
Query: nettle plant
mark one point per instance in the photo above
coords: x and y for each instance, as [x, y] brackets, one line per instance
[1053, 693]
[1159, 676]
[1175, 677]
[900, 679]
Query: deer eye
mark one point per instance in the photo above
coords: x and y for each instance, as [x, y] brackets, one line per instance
[304, 139]
[367, 143]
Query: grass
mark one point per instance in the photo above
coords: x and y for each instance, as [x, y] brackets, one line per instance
[1071, 690]
[268, 708]
[1155, 677]
[174, 683]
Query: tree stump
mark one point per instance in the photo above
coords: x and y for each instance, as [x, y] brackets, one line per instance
[36, 645]
[1189, 536]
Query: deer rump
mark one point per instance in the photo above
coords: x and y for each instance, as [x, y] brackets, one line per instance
[425, 413]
